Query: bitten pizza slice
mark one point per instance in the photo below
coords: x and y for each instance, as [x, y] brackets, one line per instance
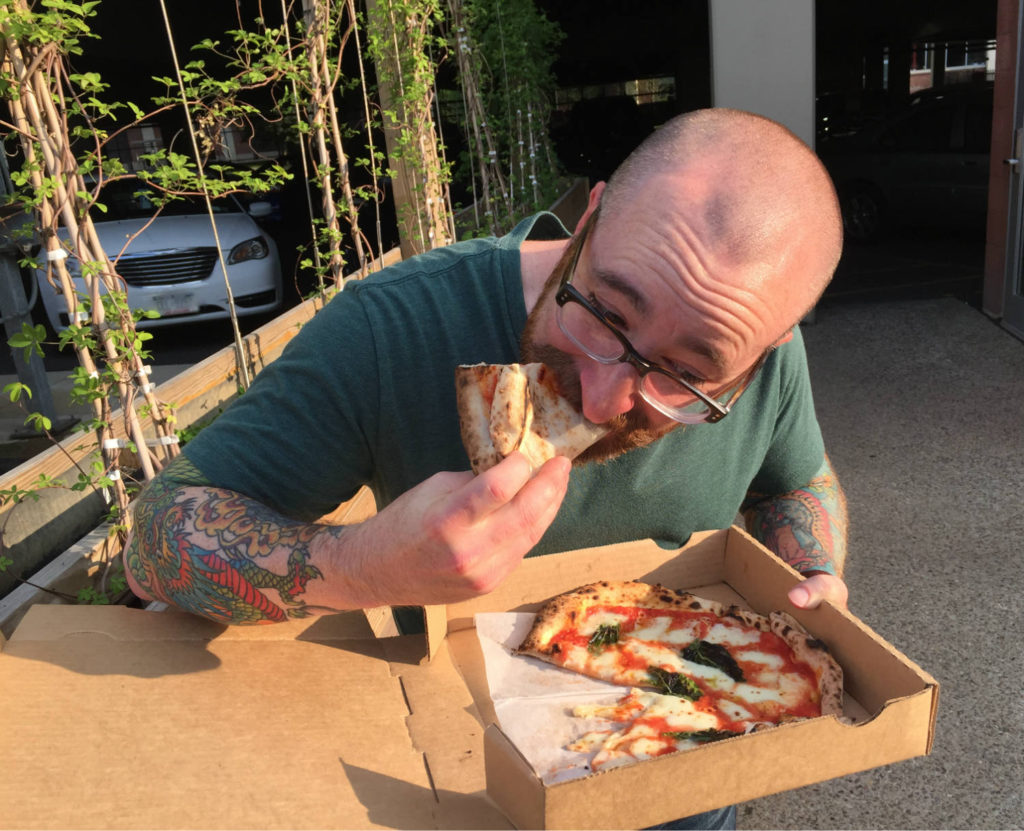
[508, 407]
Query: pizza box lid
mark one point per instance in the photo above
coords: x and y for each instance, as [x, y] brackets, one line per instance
[891, 700]
[123, 718]
[118, 718]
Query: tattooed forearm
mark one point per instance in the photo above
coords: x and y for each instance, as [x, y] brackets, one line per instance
[805, 527]
[216, 553]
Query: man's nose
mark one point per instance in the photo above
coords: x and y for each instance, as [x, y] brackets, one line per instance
[608, 390]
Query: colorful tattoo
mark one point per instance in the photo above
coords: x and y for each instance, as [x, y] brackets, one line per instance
[805, 527]
[211, 556]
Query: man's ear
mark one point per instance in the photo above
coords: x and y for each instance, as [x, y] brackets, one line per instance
[592, 202]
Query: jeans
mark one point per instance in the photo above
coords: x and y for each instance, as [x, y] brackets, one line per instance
[723, 818]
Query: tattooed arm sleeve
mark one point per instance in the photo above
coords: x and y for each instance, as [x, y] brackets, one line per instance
[805, 527]
[218, 554]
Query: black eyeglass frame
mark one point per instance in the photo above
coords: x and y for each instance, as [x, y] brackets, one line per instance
[568, 293]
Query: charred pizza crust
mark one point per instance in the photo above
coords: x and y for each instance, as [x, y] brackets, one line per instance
[565, 610]
[474, 391]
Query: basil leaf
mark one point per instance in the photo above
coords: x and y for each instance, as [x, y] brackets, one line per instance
[713, 655]
[605, 635]
[672, 683]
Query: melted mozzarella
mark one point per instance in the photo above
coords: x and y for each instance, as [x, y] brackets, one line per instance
[755, 657]
[794, 688]
[754, 695]
[787, 689]
[714, 676]
[728, 635]
[656, 655]
[577, 658]
[643, 748]
[605, 664]
[597, 619]
[734, 711]
[658, 630]
[680, 713]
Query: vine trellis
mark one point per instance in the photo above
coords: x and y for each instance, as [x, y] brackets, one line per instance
[296, 79]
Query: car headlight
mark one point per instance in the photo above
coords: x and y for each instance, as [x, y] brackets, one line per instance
[252, 249]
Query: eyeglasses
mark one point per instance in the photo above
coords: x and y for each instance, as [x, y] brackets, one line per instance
[587, 325]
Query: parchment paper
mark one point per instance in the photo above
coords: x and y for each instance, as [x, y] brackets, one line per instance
[533, 700]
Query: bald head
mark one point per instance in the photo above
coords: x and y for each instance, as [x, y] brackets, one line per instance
[758, 194]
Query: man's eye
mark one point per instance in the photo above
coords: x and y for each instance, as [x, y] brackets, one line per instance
[685, 374]
[610, 316]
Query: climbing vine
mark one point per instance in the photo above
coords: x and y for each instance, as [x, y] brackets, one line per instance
[350, 91]
[505, 52]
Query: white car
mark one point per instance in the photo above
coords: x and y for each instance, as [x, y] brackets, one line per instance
[172, 266]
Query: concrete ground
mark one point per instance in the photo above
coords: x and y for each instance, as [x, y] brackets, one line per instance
[922, 405]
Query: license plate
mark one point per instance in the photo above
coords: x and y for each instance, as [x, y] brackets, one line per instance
[175, 303]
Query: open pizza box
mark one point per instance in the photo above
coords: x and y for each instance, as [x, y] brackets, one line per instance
[889, 700]
[124, 718]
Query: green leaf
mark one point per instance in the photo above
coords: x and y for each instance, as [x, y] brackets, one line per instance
[39, 422]
[713, 655]
[672, 683]
[605, 635]
[15, 390]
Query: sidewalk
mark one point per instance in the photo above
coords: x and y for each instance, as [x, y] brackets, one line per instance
[922, 407]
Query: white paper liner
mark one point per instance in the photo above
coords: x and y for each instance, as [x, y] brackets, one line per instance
[533, 700]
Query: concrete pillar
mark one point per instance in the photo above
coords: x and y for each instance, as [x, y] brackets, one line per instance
[762, 60]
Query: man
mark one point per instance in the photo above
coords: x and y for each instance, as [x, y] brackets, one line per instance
[689, 270]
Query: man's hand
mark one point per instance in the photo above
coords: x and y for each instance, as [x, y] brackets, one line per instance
[452, 537]
[816, 589]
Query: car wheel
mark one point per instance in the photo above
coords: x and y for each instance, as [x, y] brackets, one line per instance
[863, 214]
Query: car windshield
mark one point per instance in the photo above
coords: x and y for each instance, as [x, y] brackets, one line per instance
[132, 199]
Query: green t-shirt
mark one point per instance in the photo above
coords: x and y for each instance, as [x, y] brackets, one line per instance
[365, 394]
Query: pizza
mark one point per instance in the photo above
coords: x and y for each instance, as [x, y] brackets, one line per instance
[508, 407]
[698, 670]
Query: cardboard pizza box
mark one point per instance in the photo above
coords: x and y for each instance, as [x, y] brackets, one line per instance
[123, 718]
[891, 701]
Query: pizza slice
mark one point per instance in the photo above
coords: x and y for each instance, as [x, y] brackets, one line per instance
[652, 724]
[508, 407]
[705, 666]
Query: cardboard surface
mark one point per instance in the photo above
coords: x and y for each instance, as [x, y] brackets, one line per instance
[120, 718]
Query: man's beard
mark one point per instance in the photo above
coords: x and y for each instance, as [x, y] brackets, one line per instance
[629, 430]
